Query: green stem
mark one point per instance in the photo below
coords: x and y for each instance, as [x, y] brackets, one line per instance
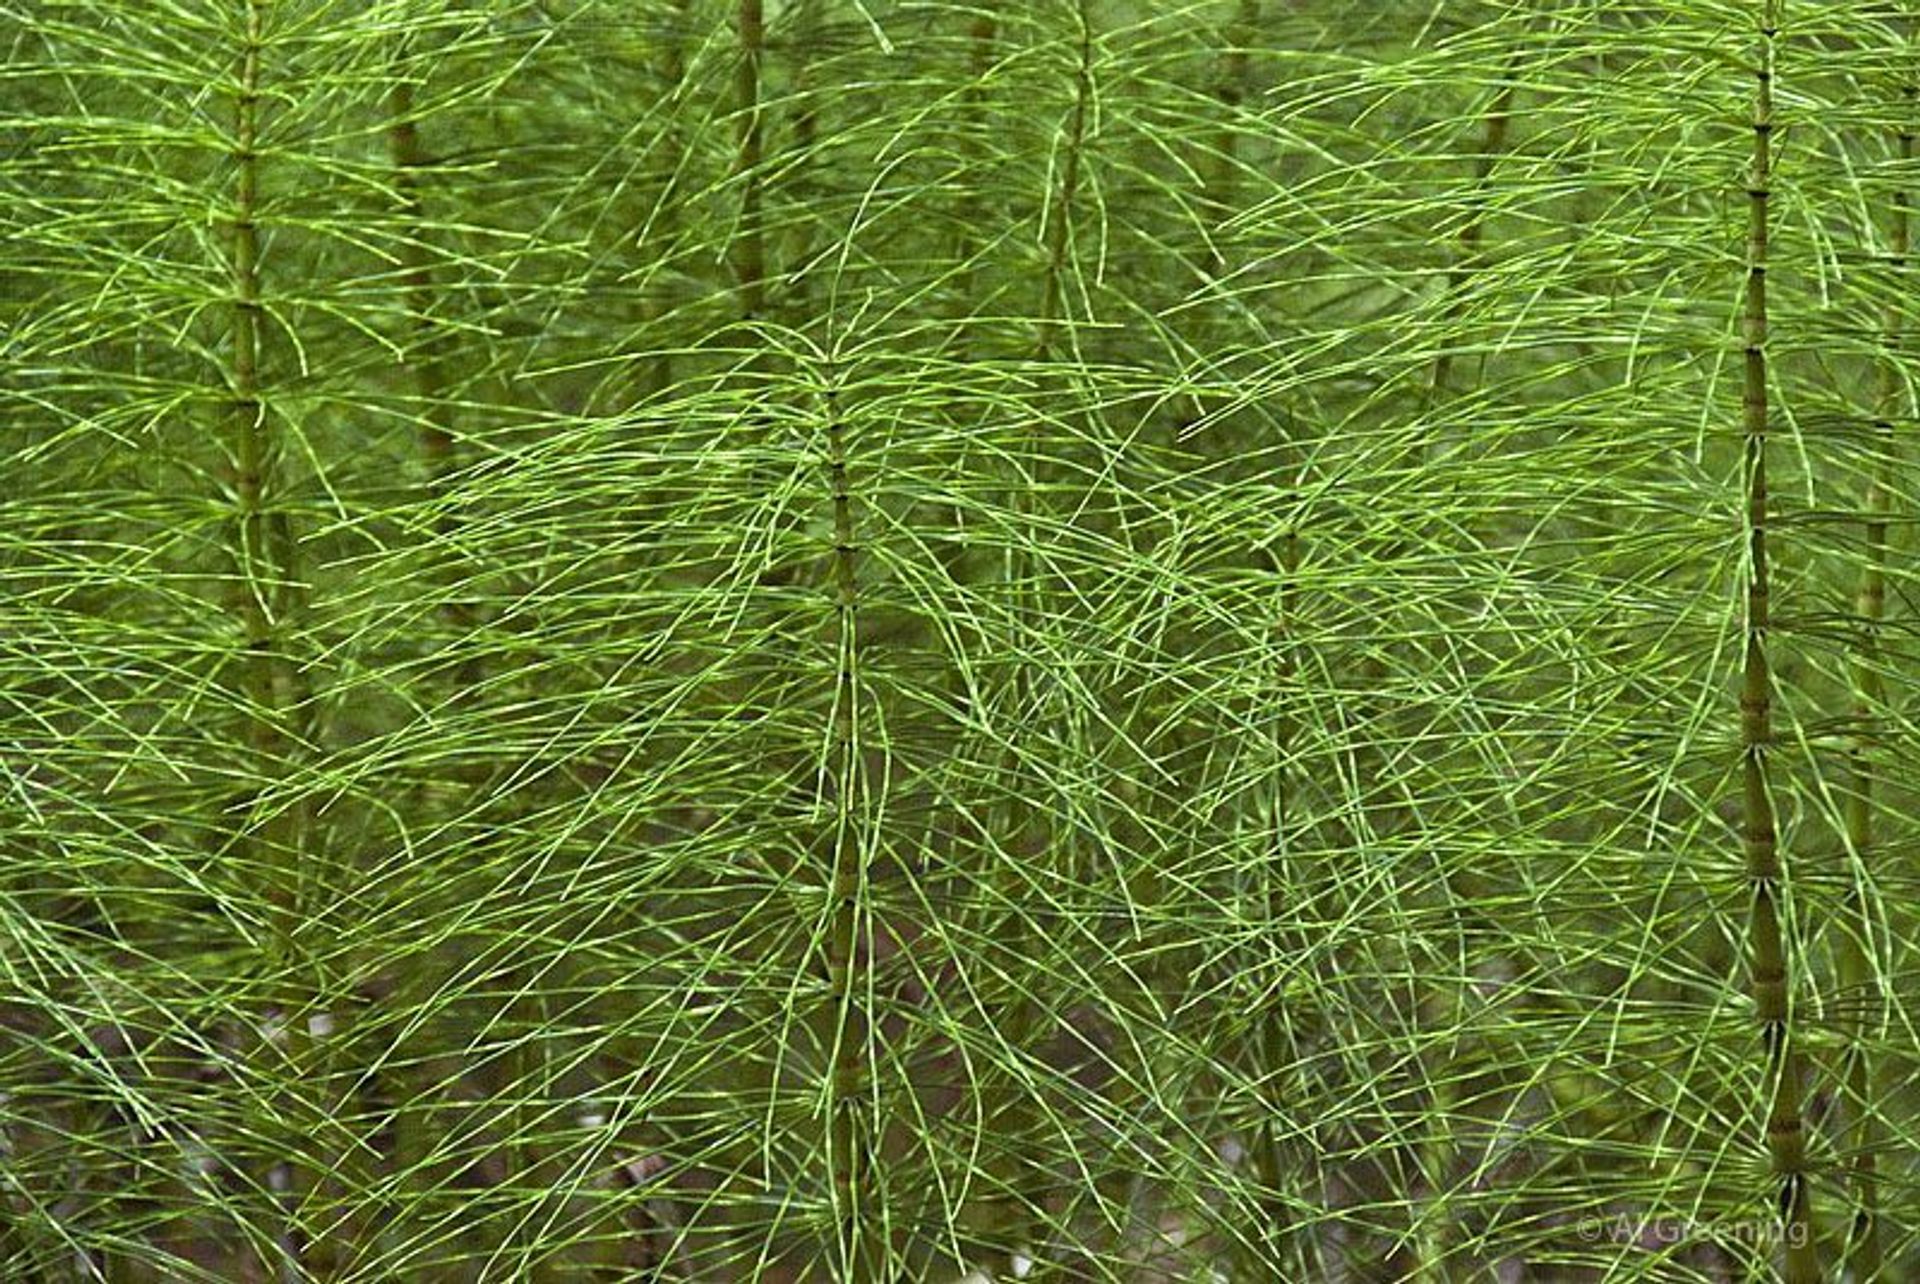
[1493, 142]
[1859, 976]
[414, 1083]
[1274, 1052]
[650, 373]
[1769, 977]
[806, 139]
[1030, 1177]
[1436, 1159]
[750, 250]
[1218, 184]
[862, 1250]
[982, 34]
[267, 593]
[1058, 234]
[425, 359]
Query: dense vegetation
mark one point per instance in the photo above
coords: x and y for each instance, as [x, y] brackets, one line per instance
[905, 640]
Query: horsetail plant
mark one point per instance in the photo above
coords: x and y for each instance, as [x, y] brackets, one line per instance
[1220, 173]
[267, 593]
[1058, 217]
[1770, 958]
[1436, 1159]
[1028, 1246]
[860, 1250]
[982, 36]
[1073, 641]
[750, 242]
[1860, 979]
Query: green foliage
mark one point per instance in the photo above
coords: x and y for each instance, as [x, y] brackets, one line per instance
[883, 639]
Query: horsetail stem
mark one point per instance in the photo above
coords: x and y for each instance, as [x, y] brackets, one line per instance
[1031, 1178]
[1273, 1052]
[426, 349]
[267, 594]
[1859, 976]
[861, 1250]
[426, 379]
[674, 75]
[982, 32]
[806, 138]
[750, 248]
[1270, 1050]
[1058, 233]
[650, 374]
[1436, 1157]
[1770, 978]
[248, 437]
[1219, 175]
[969, 244]
[1218, 184]
[1493, 141]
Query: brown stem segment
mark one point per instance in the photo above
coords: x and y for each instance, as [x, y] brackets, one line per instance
[1769, 977]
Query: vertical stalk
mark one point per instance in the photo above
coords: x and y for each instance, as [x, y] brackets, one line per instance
[527, 1174]
[1493, 141]
[651, 373]
[969, 242]
[425, 373]
[750, 250]
[1219, 171]
[247, 433]
[982, 32]
[1434, 1158]
[266, 593]
[1273, 1053]
[1059, 231]
[1057, 236]
[1859, 976]
[806, 140]
[1218, 183]
[1769, 976]
[525, 1064]
[862, 1252]
[426, 349]
[1030, 1180]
